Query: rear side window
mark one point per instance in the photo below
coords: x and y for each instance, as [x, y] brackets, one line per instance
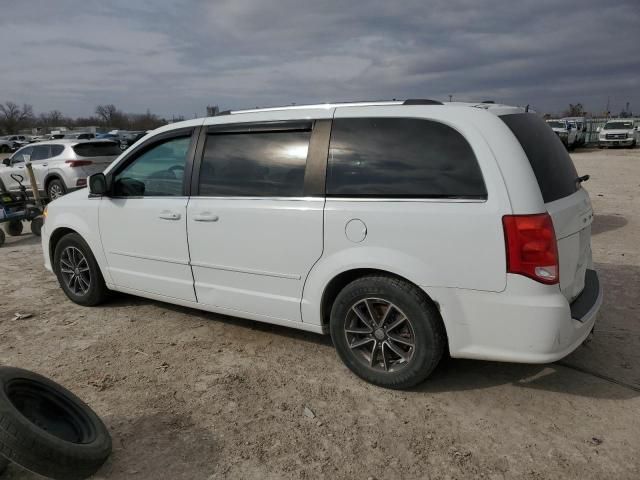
[56, 150]
[551, 164]
[401, 157]
[40, 152]
[255, 164]
[97, 149]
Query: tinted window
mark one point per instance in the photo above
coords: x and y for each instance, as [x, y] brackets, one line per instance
[157, 172]
[97, 149]
[41, 152]
[551, 164]
[56, 150]
[401, 157]
[257, 164]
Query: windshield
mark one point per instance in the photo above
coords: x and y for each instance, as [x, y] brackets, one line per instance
[556, 124]
[618, 126]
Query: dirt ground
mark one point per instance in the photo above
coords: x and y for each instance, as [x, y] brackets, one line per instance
[192, 395]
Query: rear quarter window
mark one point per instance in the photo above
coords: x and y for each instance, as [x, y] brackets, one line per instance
[551, 164]
[401, 157]
[97, 149]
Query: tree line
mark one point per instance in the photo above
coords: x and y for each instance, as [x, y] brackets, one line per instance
[14, 118]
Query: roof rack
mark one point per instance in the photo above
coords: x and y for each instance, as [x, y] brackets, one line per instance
[421, 101]
[410, 101]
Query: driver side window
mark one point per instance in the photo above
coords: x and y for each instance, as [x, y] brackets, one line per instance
[158, 172]
[19, 157]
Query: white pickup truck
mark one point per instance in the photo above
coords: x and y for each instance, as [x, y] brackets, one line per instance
[566, 131]
[618, 132]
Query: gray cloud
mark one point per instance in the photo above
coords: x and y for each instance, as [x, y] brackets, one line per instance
[178, 56]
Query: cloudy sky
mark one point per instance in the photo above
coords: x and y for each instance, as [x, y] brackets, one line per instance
[177, 56]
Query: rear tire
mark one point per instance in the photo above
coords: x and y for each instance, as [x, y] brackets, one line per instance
[374, 341]
[14, 228]
[56, 189]
[78, 272]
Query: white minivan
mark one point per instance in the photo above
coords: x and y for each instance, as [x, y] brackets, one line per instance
[403, 229]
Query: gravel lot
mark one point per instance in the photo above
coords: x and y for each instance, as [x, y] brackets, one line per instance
[192, 395]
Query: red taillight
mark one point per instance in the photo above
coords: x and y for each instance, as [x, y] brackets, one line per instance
[78, 163]
[531, 245]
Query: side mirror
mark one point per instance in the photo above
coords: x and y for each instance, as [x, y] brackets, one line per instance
[598, 129]
[6, 162]
[98, 184]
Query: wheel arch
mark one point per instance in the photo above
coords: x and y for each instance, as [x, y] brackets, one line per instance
[60, 231]
[49, 178]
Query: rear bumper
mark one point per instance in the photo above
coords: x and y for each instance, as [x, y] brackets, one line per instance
[527, 323]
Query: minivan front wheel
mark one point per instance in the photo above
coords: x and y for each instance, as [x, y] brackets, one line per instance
[78, 272]
[387, 331]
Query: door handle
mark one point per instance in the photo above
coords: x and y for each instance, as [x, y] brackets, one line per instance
[167, 215]
[205, 217]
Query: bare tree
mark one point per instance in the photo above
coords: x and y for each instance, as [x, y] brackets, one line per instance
[107, 113]
[576, 110]
[12, 117]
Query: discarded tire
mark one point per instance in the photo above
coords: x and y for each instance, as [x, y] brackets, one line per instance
[47, 429]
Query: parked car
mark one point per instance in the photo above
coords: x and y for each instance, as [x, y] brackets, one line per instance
[130, 138]
[6, 146]
[566, 132]
[404, 229]
[580, 123]
[618, 132]
[16, 141]
[80, 135]
[59, 166]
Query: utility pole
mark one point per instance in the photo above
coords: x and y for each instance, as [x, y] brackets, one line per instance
[608, 98]
[450, 98]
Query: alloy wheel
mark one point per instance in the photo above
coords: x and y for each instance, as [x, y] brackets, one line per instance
[55, 191]
[75, 272]
[380, 335]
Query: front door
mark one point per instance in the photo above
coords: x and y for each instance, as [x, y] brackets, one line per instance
[143, 221]
[254, 230]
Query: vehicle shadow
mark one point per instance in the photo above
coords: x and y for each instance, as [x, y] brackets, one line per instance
[606, 223]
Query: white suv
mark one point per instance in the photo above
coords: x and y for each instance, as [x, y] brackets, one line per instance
[405, 229]
[59, 166]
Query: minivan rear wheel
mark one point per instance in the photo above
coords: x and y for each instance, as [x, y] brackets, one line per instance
[78, 272]
[387, 331]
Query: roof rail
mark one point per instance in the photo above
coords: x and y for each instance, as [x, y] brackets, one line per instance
[421, 101]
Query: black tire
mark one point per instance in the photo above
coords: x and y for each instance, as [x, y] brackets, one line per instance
[14, 228]
[36, 226]
[424, 326]
[55, 189]
[47, 429]
[3, 237]
[96, 292]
